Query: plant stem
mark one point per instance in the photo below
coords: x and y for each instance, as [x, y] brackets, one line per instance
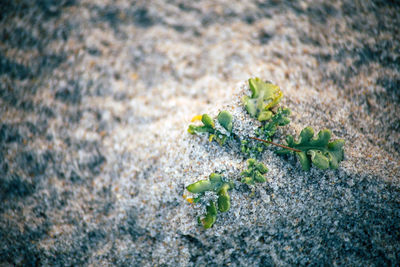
[275, 144]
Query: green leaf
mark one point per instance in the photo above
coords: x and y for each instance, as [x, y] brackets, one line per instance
[200, 187]
[261, 168]
[214, 183]
[264, 96]
[193, 129]
[265, 115]
[254, 173]
[279, 119]
[207, 120]
[266, 132]
[318, 151]
[207, 127]
[225, 119]
[224, 200]
[211, 215]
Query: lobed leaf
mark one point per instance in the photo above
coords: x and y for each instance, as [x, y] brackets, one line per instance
[265, 96]
[318, 151]
[215, 183]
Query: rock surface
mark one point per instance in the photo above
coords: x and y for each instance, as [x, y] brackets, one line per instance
[95, 100]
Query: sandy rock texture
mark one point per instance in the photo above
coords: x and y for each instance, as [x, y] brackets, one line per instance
[95, 101]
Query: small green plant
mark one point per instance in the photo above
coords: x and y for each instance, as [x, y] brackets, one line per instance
[254, 173]
[264, 96]
[220, 185]
[215, 183]
[279, 119]
[319, 151]
[262, 105]
[266, 131]
[224, 119]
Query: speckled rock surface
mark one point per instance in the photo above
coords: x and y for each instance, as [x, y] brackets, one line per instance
[95, 100]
